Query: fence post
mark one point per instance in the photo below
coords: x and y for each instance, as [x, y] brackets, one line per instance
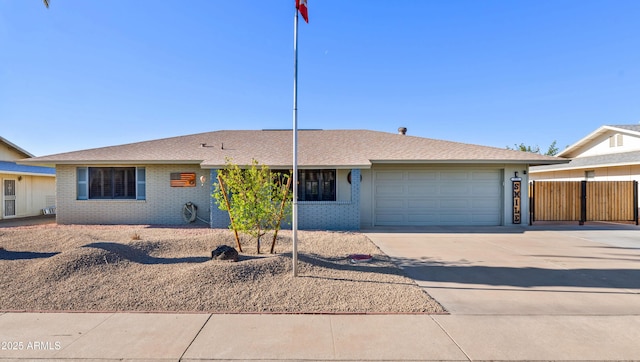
[532, 187]
[583, 202]
[635, 201]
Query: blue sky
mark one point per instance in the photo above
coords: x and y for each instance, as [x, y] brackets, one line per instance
[86, 74]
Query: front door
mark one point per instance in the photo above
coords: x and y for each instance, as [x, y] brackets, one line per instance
[9, 198]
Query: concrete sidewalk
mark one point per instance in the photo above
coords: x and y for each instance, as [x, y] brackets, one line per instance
[513, 294]
[197, 337]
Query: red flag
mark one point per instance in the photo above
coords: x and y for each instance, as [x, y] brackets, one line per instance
[301, 5]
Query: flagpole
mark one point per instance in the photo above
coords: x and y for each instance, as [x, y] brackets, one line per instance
[294, 221]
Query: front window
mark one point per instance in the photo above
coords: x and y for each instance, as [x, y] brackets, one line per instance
[317, 185]
[111, 183]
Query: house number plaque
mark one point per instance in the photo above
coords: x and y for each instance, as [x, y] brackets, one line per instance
[517, 187]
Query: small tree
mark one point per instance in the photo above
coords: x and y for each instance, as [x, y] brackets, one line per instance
[551, 151]
[256, 198]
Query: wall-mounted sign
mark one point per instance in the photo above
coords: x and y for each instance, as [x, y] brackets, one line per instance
[183, 179]
[516, 186]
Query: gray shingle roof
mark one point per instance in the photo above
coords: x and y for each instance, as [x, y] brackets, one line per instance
[629, 127]
[316, 148]
[612, 159]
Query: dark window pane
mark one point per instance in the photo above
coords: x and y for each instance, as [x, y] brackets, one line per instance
[112, 183]
[317, 185]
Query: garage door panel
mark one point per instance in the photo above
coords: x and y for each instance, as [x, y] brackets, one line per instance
[390, 190]
[484, 204]
[485, 219]
[389, 176]
[422, 219]
[485, 176]
[391, 204]
[422, 190]
[455, 219]
[422, 175]
[455, 175]
[455, 189]
[438, 197]
[455, 204]
[418, 204]
[486, 189]
[390, 219]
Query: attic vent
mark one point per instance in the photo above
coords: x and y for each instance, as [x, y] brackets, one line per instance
[402, 130]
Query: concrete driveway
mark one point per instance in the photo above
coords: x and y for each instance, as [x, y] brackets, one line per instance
[592, 269]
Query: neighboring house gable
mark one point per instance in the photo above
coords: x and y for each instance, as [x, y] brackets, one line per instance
[25, 190]
[606, 140]
[11, 152]
[610, 153]
[350, 179]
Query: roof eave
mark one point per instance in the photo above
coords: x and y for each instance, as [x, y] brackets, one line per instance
[53, 163]
[585, 167]
[289, 166]
[485, 161]
[19, 173]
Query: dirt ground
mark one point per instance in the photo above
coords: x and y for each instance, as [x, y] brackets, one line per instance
[54, 267]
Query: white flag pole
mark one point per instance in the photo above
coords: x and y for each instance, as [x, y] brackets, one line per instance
[294, 221]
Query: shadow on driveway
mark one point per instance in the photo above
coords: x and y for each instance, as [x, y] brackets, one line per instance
[525, 277]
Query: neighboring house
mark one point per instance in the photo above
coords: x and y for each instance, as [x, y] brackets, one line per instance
[348, 179]
[26, 190]
[610, 153]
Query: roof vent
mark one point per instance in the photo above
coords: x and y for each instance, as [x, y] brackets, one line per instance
[402, 130]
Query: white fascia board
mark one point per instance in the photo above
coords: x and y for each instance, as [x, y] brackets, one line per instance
[27, 174]
[585, 167]
[300, 167]
[52, 163]
[439, 162]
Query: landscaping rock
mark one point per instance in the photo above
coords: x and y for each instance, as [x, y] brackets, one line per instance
[225, 252]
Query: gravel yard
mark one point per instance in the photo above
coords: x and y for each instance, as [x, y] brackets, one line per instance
[162, 269]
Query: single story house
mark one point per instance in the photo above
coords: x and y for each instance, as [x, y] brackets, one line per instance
[610, 153]
[26, 190]
[348, 179]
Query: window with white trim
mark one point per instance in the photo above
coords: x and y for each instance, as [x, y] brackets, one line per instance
[111, 183]
[590, 175]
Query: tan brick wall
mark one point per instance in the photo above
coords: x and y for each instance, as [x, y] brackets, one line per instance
[163, 204]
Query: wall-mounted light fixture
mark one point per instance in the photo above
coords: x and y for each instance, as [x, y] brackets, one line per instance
[19, 178]
[203, 179]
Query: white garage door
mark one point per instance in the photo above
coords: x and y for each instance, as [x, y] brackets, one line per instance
[438, 197]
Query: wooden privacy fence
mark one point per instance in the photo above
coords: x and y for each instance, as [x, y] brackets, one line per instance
[583, 201]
